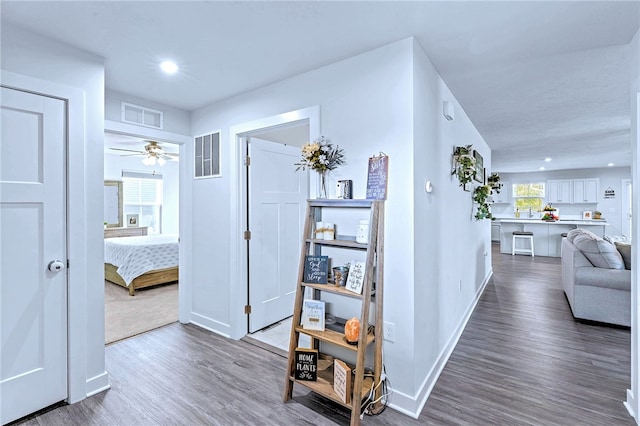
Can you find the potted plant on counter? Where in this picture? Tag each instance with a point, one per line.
(597, 214)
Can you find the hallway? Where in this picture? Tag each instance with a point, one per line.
(521, 360)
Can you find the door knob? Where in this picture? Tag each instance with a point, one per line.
(56, 266)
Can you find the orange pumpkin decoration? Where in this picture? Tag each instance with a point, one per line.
(352, 330)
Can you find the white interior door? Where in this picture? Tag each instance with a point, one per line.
(277, 202)
(33, 299)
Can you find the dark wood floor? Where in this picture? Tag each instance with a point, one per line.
(522, 360)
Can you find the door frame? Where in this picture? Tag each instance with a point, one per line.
(627, 200)
(238, 206)
(184, 199)
(79, 384)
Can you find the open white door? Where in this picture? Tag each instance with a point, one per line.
(33, 284)
(277, 201)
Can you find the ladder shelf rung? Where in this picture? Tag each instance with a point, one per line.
(339, 243)
(334, 337)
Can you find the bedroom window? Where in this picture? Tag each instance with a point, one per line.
(142, 195)
(528, 196)
(207, 156)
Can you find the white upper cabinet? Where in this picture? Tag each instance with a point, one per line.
(559, 191)
(585, 190)
(504, 197)
(572, 191)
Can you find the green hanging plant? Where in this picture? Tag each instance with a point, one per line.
(494, 182)
(480, 196)
(464, 164)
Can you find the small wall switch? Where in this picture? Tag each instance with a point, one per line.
(389, 332)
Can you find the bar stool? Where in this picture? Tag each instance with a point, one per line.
(562, 237)
(526, 235)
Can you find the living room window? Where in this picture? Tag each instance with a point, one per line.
(142, 195)
(528, 196)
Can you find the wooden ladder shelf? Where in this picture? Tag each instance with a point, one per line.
(374, 264)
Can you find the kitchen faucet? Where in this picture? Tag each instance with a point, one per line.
(530, 214)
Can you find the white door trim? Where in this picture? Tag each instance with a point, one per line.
(632, 402)
(80, 386)
(238, 205)
(184, 187)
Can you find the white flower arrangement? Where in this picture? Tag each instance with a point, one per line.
(320, 155)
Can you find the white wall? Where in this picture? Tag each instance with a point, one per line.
(39, 57)
(611, 209)
(452, 249)
(113, 166)
(175, 120)
(367, 106)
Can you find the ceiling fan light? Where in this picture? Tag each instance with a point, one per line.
(149, 161)
(161, 161)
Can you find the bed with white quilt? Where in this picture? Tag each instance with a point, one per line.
(138, 262)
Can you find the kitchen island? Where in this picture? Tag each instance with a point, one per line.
(547, 235)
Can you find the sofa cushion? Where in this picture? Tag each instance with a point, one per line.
(571, 235)
(625, 252)
(600, 253)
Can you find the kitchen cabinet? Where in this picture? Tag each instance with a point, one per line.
(585, 190)
(559, 191)
(504, 197)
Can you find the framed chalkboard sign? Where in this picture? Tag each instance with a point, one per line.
(306, 364)
(377, 177)
(316, 269)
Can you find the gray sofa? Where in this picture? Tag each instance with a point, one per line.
(596, 278)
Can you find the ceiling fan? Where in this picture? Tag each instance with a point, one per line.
(153, 153)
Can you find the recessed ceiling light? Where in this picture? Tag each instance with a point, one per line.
(169, 67)
(547, 159)
(541, 168)
(610, 164)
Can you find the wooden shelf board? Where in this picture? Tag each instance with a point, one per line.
(338, 243)
(333, 337)
(324, 202)
(325, 388)
(331, 288)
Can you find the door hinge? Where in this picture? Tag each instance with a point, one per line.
(247, 309)
(67, 263)
(247, 161)
(247, 235)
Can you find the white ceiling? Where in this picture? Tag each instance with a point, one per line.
(538, 79)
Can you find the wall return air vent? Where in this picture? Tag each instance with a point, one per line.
(142, 116)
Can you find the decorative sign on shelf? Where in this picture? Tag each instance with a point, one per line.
(316, 269)
(312, 315)
(355, 279)
(306, 364)
(377, 177)
(342, 380)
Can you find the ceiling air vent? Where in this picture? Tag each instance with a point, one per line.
(142, 116)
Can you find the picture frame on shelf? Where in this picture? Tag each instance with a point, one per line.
(313, 315)
(479, 177)
(132, 221)
(587, 215)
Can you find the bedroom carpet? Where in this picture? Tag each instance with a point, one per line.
(150, 308)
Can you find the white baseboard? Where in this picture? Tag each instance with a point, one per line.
(413, 405)
(97, 384)
(630, 405)
(211, 325)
